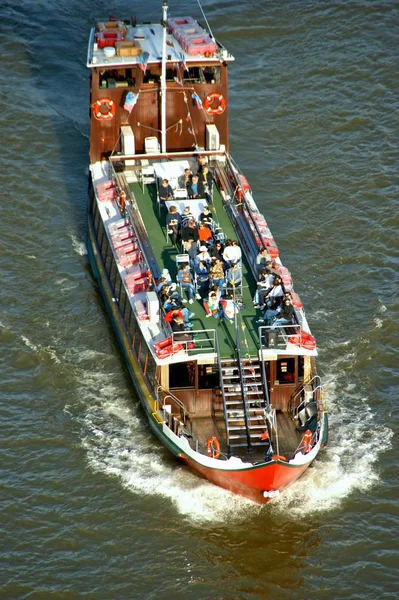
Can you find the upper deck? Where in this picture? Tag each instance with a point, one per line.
(148, 37)
(148, 219)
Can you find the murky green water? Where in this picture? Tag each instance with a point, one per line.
(92, 506)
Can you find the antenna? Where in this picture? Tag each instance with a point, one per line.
(207, 24)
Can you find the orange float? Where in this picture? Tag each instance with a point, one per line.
(210, 104)
(104, 109)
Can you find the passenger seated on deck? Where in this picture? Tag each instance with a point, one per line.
(204, 233)
(233, 276)
(202, 279)
(182, 312)
(184, 180)
(273, 296)
(186, 216)
(173, 224)
(179, 330)
(203, 256)
(217, 251)
(206, 217)
(192, 188)
(211, 304)
(264, 285)
(165, 192)
(185, 279)
(232, 253)
(284, 314)
(263, 260)
(189, 232)
(216, 273)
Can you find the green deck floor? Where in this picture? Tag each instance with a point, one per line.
(165, 257)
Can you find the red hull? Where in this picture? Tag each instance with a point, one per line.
(251, 483)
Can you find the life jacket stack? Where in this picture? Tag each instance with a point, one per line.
(141, 311)
(136, 280)
(262, 234)
(107, 191)
(110, 33)
(125, 243)
(166, 348)
(191, 36)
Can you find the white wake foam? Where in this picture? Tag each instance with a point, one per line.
(118, 443)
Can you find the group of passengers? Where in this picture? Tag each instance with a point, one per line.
(270, 295)
(215, 272)
(198, 185)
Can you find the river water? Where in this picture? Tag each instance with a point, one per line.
(91, 505)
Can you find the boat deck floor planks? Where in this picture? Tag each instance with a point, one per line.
(165, 255)
(289, 437)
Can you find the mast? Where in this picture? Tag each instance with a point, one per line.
(163, 77)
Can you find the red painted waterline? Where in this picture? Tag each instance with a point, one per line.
(251, 483)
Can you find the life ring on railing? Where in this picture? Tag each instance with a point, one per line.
(307, 441)
(303, 340)
(213, 447)
(104, 109)
(209, 101)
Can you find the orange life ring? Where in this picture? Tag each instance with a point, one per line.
(104, 109)
(307, 441)
(209, 101)
(213, 447)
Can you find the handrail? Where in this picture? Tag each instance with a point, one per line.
(168, 394)
(243, 384)
(226, 422)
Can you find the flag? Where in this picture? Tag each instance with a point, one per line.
(143, 60)
(183, 61)
(197, 99)
(130, 101)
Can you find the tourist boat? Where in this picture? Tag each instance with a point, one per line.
(238, 401)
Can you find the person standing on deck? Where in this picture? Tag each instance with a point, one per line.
(205, 184)
(173, 224)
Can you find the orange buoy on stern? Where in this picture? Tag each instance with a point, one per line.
(104, 109)
(213, 447)
(307, 441)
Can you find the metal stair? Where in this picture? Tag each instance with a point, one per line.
(244, 403)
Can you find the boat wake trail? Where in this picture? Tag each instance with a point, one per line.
(117, 443)
(348, 464)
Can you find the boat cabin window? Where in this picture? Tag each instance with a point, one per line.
(115, 78)
(208, 74)
(208, 377)
(182, 375)
(285, 370)
(151, 76)
(171, 74)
